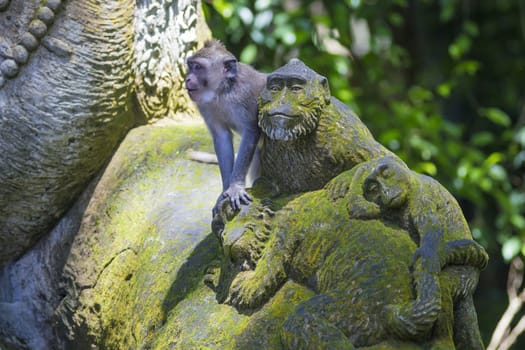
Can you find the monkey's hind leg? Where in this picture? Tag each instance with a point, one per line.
(307, 329)
(466, 330)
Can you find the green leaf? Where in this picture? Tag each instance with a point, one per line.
(428, 168)
(518, 221)
(483, 138)
(496, 115)
(519, 137)
(497, 172)
(468, 67)
(419, 94)
(246, 15)
(396, 19)
(447, 10)
(494, 158)
(511, 248)
(223, 7)
(444, 89)
(471, 28)
(249, 53)
(459, 47)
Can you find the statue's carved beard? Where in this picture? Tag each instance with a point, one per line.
(307, 119)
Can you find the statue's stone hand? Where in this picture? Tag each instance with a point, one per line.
(338, 187)
(414, 319)
(411, 320)
(246, 291)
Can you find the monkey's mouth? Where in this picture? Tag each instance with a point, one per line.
(279, 115)
(394, 200)
(192, 93)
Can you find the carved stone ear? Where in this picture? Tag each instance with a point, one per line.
(325, 88)
(230, 67)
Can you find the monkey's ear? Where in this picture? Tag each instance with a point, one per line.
(230, 67)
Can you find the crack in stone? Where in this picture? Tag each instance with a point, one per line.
(107, 264)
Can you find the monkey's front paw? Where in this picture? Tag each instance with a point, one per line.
(245, 291)
(338, 187)
(218, 207)
(238, 196)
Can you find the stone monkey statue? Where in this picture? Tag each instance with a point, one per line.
(226, 92)
(308, 136)
(361, 274)
(386, 189)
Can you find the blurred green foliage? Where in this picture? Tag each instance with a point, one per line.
(441, 83)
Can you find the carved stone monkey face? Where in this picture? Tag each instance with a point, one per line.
(389, 183)
(292, 102)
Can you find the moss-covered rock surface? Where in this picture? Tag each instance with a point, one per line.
(135, 275)
(145, 270)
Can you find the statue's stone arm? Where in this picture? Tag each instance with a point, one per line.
(349, 185)
(251, 289)
(416, 318)
(466, 252)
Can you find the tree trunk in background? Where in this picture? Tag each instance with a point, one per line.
(75, 77)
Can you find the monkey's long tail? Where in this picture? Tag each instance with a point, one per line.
(202, 157)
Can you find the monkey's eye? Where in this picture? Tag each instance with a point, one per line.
(194, 66)
(371, 186)
(274, 88)
(296, 88)
(386, 172)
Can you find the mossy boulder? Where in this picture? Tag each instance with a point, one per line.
(135, 275)
(146, 271)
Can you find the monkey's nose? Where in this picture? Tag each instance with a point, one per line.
(283, 108)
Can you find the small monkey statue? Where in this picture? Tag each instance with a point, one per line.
(226, 93)
(435, 222)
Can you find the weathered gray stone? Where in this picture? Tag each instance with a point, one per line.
(20, 54)
(29, 41)
(46, 15)
(37, 28)
(53, 4)
(60, 118)
(9, 68)
(5, 48)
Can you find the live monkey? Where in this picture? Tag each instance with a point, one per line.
(226, 93)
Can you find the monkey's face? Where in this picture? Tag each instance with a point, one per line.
(387, 186)
(207, 76)
(290, 106)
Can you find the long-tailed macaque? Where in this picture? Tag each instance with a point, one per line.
(226, 93)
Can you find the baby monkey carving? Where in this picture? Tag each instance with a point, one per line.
(435, 222)
(424, 208)
(226, 92)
